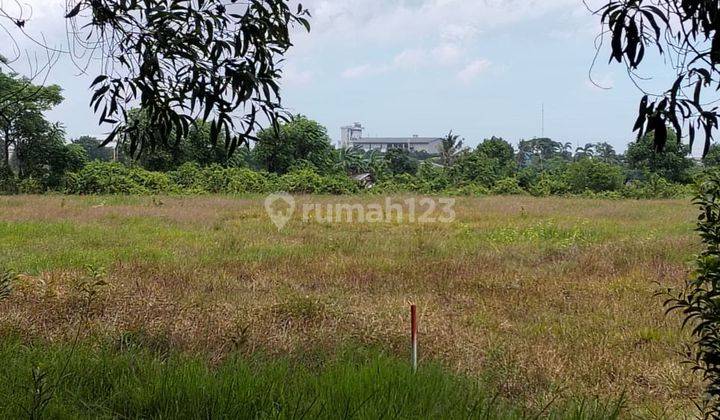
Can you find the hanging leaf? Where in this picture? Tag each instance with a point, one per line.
(74, 11)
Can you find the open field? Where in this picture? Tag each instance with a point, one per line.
(539, 300)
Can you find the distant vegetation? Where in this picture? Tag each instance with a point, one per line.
(299, 157)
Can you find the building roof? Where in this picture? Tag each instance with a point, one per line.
(383, 140)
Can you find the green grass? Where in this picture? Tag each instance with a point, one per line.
(537, 299)
(136, 383)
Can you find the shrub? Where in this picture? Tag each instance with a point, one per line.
(548, 185)
(593, 175)
(8, 181)
(433, 178)
(31, 186)
(399, 183)
(340, 184)
(154, 182)
(303, 181)
(188, 176)
(698, 301)
(507, 186)
(655, 187)
(105, 178)
(471, 189)
(243, 180)
(475, 167)
(215, 179)
(608, 195)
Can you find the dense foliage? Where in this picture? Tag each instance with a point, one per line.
(687, 33)
(698, 302)
(298, 157)
(21, 106)
(181, 61)
(299, 140)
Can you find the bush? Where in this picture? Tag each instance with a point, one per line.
(115, 178)
(607, 195)
(585, 177)
(593, 175)
(471, 189)
(307, 181)
(433, 178)
(8, 181)
(216, 179)
(400, 183)
(339, 185)
(303, 181)
(698, 301)
(507, 186)
(154, 182)
(243, 180)
(105, 178)
(655, 187)
(31, 186)
(548, 185)
(188, 176)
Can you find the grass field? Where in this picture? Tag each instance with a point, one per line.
(533, 303)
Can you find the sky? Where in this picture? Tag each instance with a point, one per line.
(480, 68)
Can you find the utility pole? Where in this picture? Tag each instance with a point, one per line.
(542, 120)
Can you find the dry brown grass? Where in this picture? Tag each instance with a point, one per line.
(535, 296)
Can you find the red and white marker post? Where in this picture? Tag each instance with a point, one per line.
(413, 336)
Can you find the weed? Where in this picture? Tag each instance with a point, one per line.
(7, 278)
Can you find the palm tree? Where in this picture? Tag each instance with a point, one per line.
(376, 164)
(605, 152)
(585, 152)
(351, 160)
(450, 147)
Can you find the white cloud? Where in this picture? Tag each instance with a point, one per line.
(292, 76)
(473, 70)
(448, 53)
(410, 59)
(424, 33)
(361, 71)
(458, 33)
(444, 55)
(398, 21)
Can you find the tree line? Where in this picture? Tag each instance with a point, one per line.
(36, 157)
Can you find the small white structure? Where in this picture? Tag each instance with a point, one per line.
(366, 179)
(351, 136)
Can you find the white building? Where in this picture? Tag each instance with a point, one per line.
(351, 136)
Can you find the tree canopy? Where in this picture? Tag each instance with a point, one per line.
(686, 33)
(299, 139)
(94, 149)
(182, 61)
(21, 106)
(671, 163)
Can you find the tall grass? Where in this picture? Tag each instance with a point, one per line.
(531, 295)
(135, 383)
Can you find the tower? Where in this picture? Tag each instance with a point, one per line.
(350, 133)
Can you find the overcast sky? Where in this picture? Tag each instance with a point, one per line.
(404, 67)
